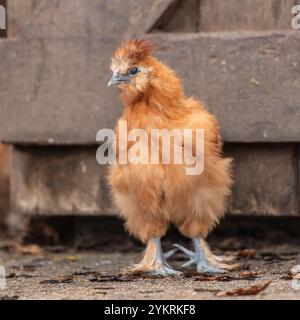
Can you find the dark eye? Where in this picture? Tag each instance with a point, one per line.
(134, 71)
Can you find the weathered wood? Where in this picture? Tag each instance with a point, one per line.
(250, 81)
(63, 43)
(81, 18)
(58, 181)
(181, 16)
(54, 90)
(54, 74)
(245, 15)
(20, 13)
(68, 181)
(266, 181)
(54, 70)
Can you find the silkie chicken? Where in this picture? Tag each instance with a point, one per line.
(150, 197)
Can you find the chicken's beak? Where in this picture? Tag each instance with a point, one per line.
(117, 79)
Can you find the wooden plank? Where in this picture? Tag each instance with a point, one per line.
(58, 182)
(63, 86)
(78, 18)
(62, 181)
(250, 81)
(20, 13)
(266, 179)
(54, 91)
(58, 32)
(181, 16)
(246, 15)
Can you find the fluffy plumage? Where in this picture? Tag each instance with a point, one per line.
(151, 197)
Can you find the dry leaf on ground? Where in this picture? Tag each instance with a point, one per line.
(250, 291)
(112, 278)
(59, 279)
(218, 277)
(72, 258)
(242, 275)
(287, 277)
(249, 273)
(206, 290)
(30, 249)
(246, 253)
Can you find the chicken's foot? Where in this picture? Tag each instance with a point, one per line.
(205, 260)
(154, 261)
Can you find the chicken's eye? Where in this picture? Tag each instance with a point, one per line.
(133, 71)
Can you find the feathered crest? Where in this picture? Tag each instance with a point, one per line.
(136, 49)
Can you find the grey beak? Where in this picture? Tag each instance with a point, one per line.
(117, 79)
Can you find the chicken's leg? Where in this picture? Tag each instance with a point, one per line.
(203, 258)
(154, 261)
(212, 257)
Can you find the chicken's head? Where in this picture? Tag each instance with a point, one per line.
(132, 67)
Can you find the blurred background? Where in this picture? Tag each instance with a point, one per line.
(240, 57)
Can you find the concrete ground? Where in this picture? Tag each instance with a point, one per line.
(60, 273)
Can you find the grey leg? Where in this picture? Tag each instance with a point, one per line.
(202, 257)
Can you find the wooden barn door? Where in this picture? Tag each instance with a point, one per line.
(241, 57)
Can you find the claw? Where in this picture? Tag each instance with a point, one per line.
(165, 271)
(204, 259)
(208, 253)
(225, 258)
(206, 268)
(154, 261)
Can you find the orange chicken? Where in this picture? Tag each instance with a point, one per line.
(151, 196)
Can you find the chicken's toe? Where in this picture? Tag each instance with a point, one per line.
(154, 261)
(204, 267)
(164, 270)
(204, 259)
